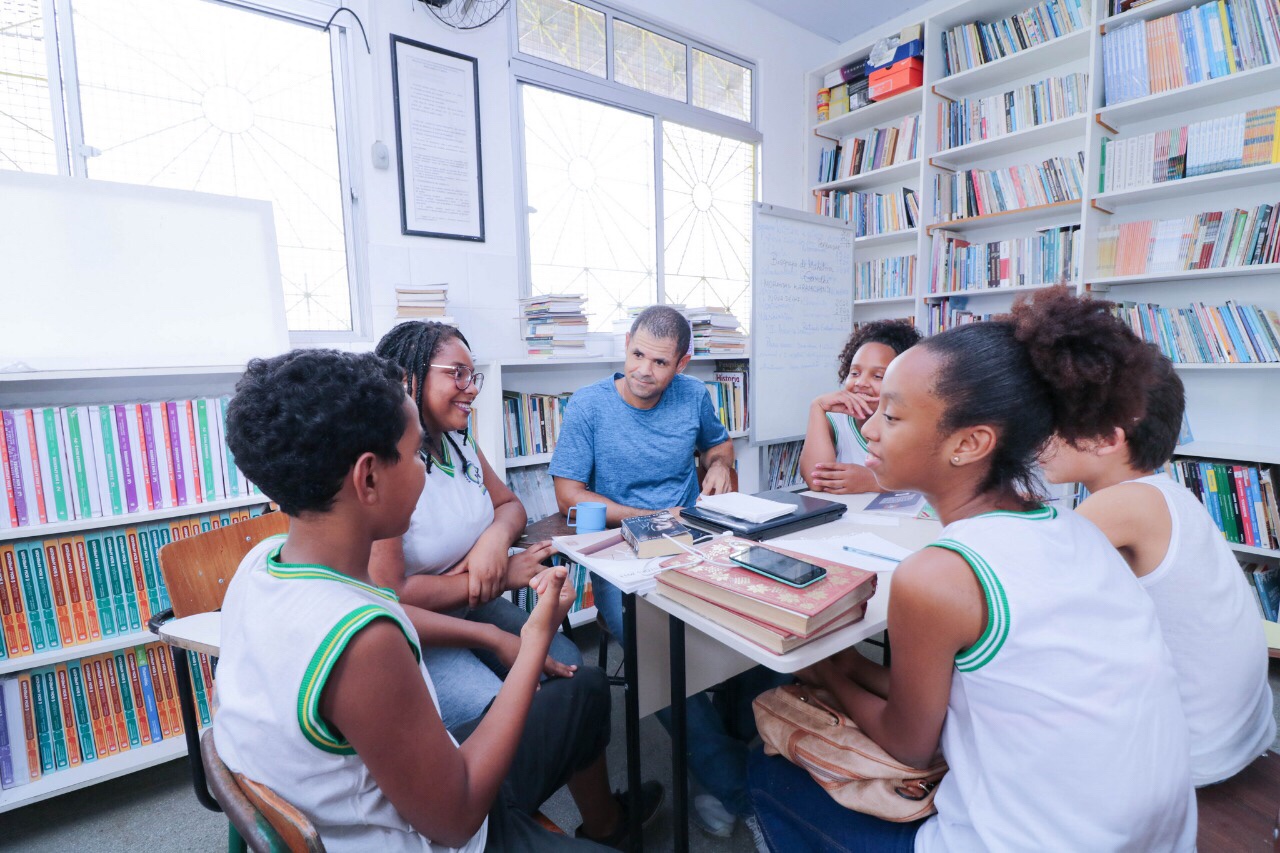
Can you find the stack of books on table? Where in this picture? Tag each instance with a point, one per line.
(716, 331)
(554, 326)
(428, 302)
(770, 614)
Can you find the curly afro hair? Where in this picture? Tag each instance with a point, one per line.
(1055, 364)
(299, 421)
(898, 335)
(1153, 439)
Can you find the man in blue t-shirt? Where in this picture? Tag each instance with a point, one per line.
(628, 443)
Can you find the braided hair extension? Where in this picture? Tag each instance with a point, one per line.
(412, 345)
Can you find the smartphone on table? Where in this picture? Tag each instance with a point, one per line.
(779, 567)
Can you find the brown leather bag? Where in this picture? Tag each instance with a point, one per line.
(802, 725)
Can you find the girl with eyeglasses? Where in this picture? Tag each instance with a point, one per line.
(453, 559)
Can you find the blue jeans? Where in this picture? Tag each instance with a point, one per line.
(719, 730)
(798, 816)
(466, 680)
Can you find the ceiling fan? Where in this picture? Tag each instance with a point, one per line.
(465, 14)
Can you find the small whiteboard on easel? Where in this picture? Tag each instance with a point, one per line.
(801, 315)
(97, 275)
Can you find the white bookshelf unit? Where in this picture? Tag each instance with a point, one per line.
(89, 388)
(1233, 408)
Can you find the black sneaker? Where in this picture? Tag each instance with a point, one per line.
(651, 797)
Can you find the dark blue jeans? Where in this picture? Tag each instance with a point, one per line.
(718, 730)
(797, 816)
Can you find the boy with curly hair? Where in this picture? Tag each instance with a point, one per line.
(834, 449)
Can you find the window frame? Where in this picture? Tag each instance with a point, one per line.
(531, 70)
(72, 152)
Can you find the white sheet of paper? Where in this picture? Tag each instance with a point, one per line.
(832, 549)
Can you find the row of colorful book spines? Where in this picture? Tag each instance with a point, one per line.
(976, 192)
(871, 213)
(729, 405)
(940, 316)
(977, 43)
(1252, 238)
(583, 597)
(1240, 498)
(784, 463)
(532, 422)
(884, 278)
(1209, 41)
(1240, 141)
(58, 717)
(1207, 334)
(974, 119)
(77, 589)
(61, 464)
(982, 265)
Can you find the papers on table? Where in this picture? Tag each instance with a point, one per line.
(833, 548)
(612, 560)
(746, 507)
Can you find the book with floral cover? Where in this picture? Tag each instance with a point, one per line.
(797, 611)
(761, 633)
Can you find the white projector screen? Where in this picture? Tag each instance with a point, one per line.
(99, 276)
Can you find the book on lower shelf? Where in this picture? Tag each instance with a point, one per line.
(535, 489)
(801, 613)
(948, 313)
(1264, 580)
(1240, 498)
(870, 150)
(885, 278)
(969, 120)
(784, 465)
(1213, 239)
(531, 422)
(871, 213)
(1051, 256)
(1206, 334)
(970, 45)
(980, 192)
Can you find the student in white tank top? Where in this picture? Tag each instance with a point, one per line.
(1183, 561)
(834, 449)
(1023, 650)
(453, 558)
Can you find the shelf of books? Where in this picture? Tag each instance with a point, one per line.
(1059, 50)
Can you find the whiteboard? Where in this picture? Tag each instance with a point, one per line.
(97, 275)
(801, 315)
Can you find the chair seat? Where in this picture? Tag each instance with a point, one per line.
(1240, 813)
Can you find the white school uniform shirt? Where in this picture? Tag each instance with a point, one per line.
(283, 628)
(851, 447)
(453, 510)
(1064, 729)
(1212, 629)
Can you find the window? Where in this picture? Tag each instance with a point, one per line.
(182, 94)
(639, 162)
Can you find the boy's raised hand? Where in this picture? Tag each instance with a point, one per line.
(555, 597)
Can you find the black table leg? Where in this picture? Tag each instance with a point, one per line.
(191, 728)
(631, 693)
(679, 736)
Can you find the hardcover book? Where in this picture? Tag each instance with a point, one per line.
(651, 535)
(761, 633)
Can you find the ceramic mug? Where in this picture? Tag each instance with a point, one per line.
(586, 517)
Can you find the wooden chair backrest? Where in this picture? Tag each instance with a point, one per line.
(266, 821)
(197, 570)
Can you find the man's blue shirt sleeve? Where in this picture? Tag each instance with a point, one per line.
(574, 457)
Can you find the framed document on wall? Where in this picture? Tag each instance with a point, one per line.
(437, 108)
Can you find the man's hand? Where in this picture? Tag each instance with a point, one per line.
(717, 480)
(859, 405)
(523, 567)
(842, 478)
(506, 646)
(486, 568)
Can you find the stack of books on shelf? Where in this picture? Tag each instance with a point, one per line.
(975, 119)
(1265, 580)
(728, 390)
(715, 331)
(784, 465)
(429, 302)
(74, 462)
(1215, 239)
(885, 278)
(970, 45)
(1237, 141)
(531, 422)
(1240, 498)
(82, 587)
(58, 717)
(770, 614)
(947, 313)
(874, 149)
(534, 488)
(1208, 41)
(871, 213)
(555, 326)
(978, 192)
(1207, 334)
(1052, 256)
(843, 91)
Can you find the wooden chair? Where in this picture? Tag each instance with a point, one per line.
(1240, 814)
(266, 823)
(196, 573)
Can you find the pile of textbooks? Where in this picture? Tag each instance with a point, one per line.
(716, 331)
(429, 302)
(554, 326)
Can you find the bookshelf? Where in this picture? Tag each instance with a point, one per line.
(97, 387)
(1232, 407)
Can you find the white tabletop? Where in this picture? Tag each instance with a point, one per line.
(199, 633)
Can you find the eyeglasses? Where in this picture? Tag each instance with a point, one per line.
(462, 376)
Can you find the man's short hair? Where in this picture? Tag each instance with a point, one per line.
(1153, 439)
(666, 324)
(299, 421)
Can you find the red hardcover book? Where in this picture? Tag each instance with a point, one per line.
(796, 611)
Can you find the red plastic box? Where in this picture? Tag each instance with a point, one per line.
(896, 79)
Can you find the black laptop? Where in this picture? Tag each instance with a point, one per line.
(810, 512)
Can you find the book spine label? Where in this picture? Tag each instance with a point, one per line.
(160, 538)
(128, 468)
(116, 576)
(29, 456)
(164, 460)
(142, 472)
(88, 595)
(53, 719)
(126, 699)
(135, 692)
(192, 449)
(47, 607)
(150, 572)
(146, 688)
(93, 545)
(96, 716)
(207, 464)
(71, 575)
(84, 725)
(44, 746)
(18, 484)
(151, 456)
(66, 709)
(141, 593)
(111, 457)
(197, 681)
(176, 460)
(109, 705)
(126, 738)
(156, 676)
(79, 448)
(58, 584)
(170, 688)
(9, 480)
(17, 635)
(52, 468)
(6, 748)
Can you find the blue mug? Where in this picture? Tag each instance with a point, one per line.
(586, 517)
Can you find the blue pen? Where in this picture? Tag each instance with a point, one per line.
(871, 554)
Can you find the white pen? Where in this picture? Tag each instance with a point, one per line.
(871, 554)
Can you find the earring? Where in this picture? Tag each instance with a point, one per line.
(955, 460)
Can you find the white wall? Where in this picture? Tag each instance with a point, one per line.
(483, 277)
